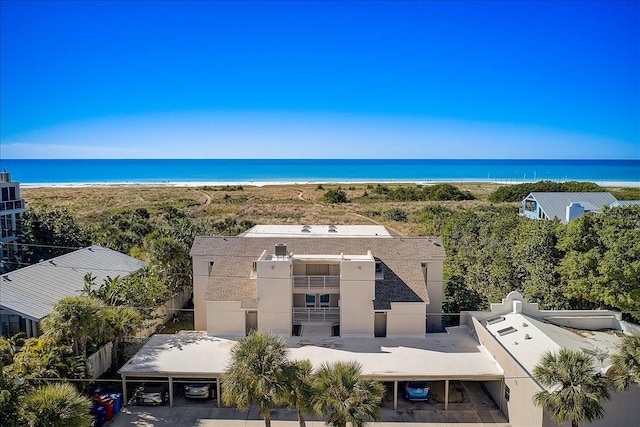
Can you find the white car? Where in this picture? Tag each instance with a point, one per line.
(199, 391)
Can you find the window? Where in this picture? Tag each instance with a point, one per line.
(310, 300)
(530, 205)
(324, 300)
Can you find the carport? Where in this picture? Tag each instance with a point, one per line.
(454, 355)
(184, 355)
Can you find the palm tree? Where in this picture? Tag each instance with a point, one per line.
(299, 391)
(120, 322)
(577, 387)
(79, 317)
(348, 397)
(55, 405)
(626, 363)
(255, 373)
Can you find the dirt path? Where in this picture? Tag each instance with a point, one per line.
(371, 220)
(207, 198)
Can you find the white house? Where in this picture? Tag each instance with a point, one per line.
(517, 334)
(11, 206)
(564, 205)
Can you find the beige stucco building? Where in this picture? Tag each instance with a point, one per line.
(347, 280)
(517, 334)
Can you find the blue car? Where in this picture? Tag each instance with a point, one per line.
(417, 390)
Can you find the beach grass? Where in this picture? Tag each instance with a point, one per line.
(268, 204)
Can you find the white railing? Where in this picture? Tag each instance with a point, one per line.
(316, 283)
(316, 315)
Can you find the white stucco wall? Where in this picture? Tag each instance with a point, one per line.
(225, 318)
(434, 290)
(519, 410)
(200, 283)
(406, 319)
(275, 297)
(357, 292)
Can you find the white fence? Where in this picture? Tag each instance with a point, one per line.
(100, 361)
(164, 313)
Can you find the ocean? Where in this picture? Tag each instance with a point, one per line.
(208, 171)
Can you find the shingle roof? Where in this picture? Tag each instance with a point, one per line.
(402, 257)
(34, 290)
(555, 204)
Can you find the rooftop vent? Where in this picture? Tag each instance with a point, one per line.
(281, 249)
(495, 320)
(507, 331)
(527, 336)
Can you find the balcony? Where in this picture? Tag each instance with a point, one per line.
(316, 284)
(10, 205)
(316, 315)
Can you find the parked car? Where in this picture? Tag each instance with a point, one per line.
(151, 394)
(199, 390)
(417, 390)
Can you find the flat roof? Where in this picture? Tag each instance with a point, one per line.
(452, 355)
(360, 231)
(528, 339)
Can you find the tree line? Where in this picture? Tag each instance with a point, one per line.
(591, 262)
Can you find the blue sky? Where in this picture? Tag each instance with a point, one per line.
(471, 79)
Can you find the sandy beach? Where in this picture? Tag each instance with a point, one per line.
(267, 183)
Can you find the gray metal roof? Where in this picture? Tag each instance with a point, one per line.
(624, 203)
(401, 257)
(555, 204)
(34, 290)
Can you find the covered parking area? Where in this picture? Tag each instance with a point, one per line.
(454, 355)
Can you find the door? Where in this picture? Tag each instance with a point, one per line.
(380, 325)
(251, 321)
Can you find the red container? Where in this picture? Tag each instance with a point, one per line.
(108, 405)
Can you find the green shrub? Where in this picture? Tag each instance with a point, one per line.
(336, 195)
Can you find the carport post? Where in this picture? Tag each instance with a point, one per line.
(395, 395)
(446, 394)
(170, 391)
(218, 391)
(124, 390)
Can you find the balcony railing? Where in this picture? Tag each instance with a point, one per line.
(316, 315)
(314, 284)
(10, 205)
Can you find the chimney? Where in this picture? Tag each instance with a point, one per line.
(573, 211)
(517, 306)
